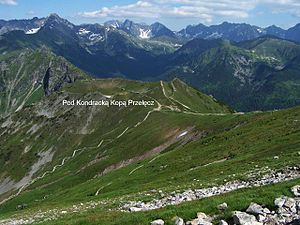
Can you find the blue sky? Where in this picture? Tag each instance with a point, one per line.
(176, 14)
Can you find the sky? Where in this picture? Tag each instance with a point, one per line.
(176, 14)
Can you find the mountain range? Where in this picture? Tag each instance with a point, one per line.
(231, 31)
(247, 67)
(186, 154)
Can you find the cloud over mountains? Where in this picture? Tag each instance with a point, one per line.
(205, 10)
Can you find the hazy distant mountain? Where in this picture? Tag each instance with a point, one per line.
(238, 32)
(29, 26)
(230, 31)
(275, 31)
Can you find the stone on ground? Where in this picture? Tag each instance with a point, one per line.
(158, 222)
(242, 218)
(255, 209)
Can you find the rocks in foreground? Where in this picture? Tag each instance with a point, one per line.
(287, 213)
(196, 194)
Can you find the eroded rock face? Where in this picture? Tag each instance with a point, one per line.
(39, 69)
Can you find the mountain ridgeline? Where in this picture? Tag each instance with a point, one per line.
(247, 67)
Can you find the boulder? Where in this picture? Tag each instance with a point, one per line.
(202, 219)
(135, 209)
(203, 216)
(290, 203)
(266, 211)
(223, 222)
(199, 222)
(261, 218)
(242, 218)
(255, 209)
(279, 202)
(296, 190)
(223, 206)
(179, 221)
(158, 222)
(271, 221)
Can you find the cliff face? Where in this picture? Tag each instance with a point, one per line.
(26, 76)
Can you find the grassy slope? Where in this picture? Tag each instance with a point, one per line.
(249, 142)
(86, 128)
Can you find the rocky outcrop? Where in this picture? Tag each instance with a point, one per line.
(23, 75)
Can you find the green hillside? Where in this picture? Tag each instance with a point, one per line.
(260, 74)
(97, 158)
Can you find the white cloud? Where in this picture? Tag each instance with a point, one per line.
(291, 7)
(205, 10)
(8, 2)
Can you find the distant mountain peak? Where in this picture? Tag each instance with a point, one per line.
(54, 15)
(113, 23)
(54, 20)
